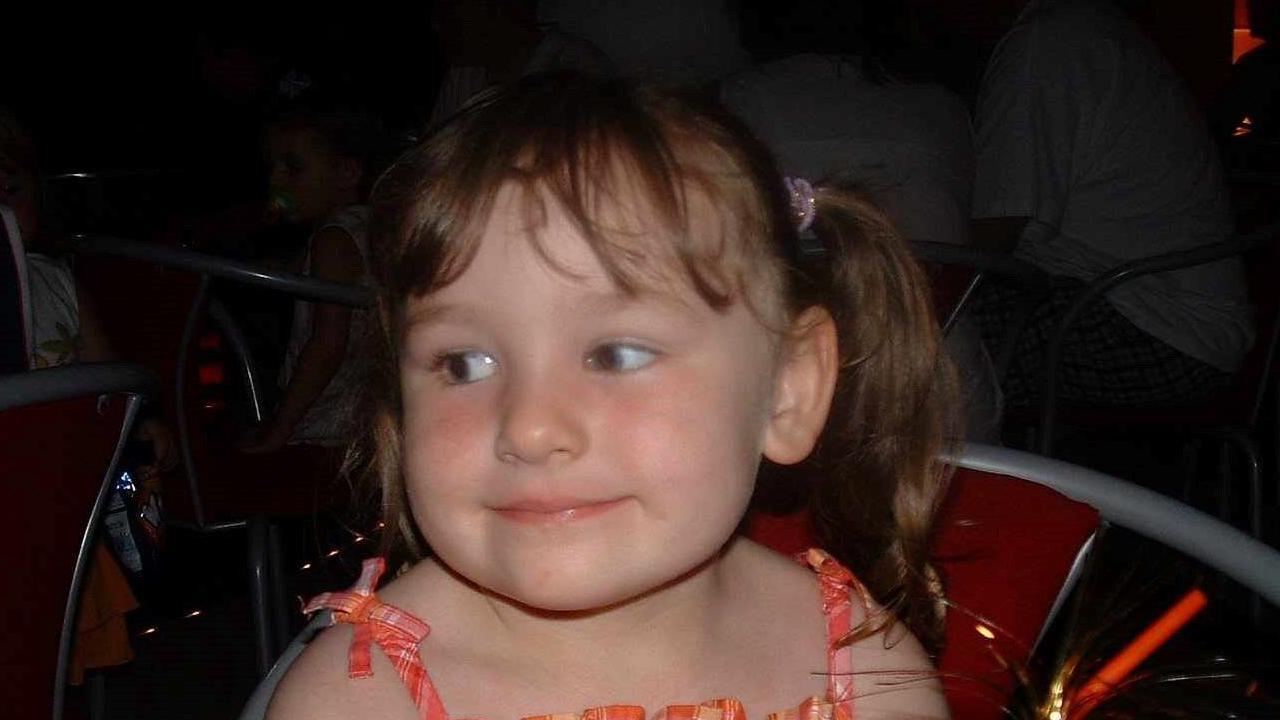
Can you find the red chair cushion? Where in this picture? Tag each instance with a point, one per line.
(56, 457)
(143, 308)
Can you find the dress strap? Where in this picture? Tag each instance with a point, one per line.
(839, 588)
(396, 632)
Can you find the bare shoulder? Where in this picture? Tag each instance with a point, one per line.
(317, 686)
(893, 675)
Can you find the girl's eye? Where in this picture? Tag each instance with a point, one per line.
(464, 366)
(620, 357)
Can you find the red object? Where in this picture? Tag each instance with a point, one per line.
(56, 456)
(1148, 641)
(211, 373)
(210, 341)
(1004, 547)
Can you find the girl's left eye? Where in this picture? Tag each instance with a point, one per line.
(620, 357)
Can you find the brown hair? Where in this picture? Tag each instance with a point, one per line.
(590, 143)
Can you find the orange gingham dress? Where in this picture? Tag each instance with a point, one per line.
(398, 634)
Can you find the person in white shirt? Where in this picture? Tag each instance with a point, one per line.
(828, 108)
(1090, 153)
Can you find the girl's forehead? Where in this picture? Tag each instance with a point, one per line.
(614, 243)
(540, 232)
(625, 219)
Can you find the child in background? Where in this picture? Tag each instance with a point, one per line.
(63, 323)
(65, 329)
(602, 311)
(321, 156)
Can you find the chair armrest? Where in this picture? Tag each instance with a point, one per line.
(256, 707)
(68, 381)
(1146, 512)
(301, 286)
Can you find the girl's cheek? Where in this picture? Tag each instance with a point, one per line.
(655, 417)
(443, 424)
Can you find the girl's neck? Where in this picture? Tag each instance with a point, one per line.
(690, 610)
(715, 632)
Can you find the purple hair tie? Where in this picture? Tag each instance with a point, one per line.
(803, 202)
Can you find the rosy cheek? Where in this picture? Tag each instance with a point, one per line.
(444, 432)
(656, 424)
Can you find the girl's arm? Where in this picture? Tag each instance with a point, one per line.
(894, 677)
(334, 256)
(93, 345)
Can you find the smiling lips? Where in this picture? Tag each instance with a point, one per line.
(556, 511)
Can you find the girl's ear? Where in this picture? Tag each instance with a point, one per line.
(803, 387)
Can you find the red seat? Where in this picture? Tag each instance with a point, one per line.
(60, 446)
(1005, 548)
(144, 308)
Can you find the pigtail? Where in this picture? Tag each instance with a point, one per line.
(894, 408)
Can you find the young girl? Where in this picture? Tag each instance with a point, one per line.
(321, 154)
(598, 319)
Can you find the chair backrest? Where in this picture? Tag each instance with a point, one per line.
(156, 305)
(256, 707)
(1006, 550)
(1243, 400)
(62, 431)
(1169, 522)
(145, 308)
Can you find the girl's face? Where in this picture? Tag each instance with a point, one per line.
(307, 179)
(568, 446)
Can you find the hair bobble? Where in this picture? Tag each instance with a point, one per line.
(804, 203)
(804, 206)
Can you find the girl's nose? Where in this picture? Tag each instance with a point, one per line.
(540, 422)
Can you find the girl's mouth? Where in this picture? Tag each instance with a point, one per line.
(551, 511)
